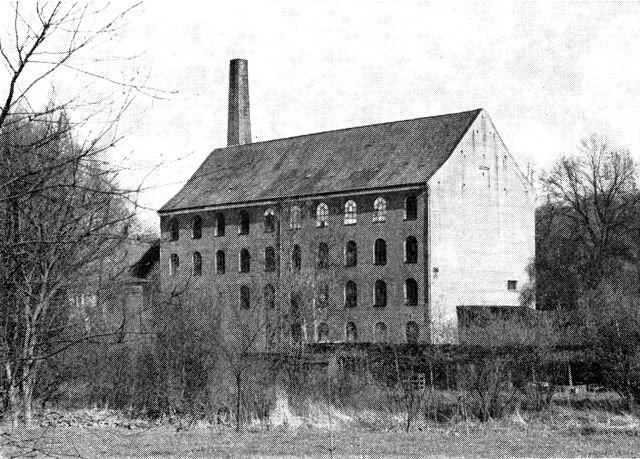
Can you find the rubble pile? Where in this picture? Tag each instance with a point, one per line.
(90, 418)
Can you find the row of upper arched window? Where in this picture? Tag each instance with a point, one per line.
(295, 218)
(412, 332)
(270, 257)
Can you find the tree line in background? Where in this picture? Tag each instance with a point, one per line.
(66, 222)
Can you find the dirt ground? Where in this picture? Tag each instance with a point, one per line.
(208, 441)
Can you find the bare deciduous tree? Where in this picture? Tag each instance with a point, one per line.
(63, 209)
(595, 192)
(56, 240)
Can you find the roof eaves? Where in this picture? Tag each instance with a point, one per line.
(416, 185)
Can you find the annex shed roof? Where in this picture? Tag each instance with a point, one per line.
(367, 157)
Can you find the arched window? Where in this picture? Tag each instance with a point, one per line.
(197, 264)
(411, 292)
(411, 250)
(350, 212)
(174, 229)
(380, 294)
(412, 332)
(269, 296)
(269, 221)
(270, 334)
(243, 222)
(245, 297)
(352, 332)
(296, 320)
(220, 265)
(350, 294)
(322, 215)
(295, 218)
(322, 296)
(323, 332)
(196, 227)
(323, 255)
(380, 252)
(174, 264)
(379, 210)
(218, 225)
(269, 259)
(351, 254)
(410, 208)
(380, 332)
(296, 299)
(296, 258)
(245, 261)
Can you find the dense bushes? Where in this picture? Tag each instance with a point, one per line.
(183, 373)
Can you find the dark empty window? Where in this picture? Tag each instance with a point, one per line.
(411, 250)
(351, 254)
(381, 332)
(380, 293)
(351, 331)
(296, 258)
(512, 285)
(174, 229)
(323, 332)
(380, 252)
(323, 295)
(379, 210)
(411, 208)
(218, 225)
(269, 293)
(296, 320)
(350, 212)
(296, 299)
(323, 255)
(411, 292)
(220, 264)
(269, 259)
(245, 261)
(197, 264)
(243, 223)
(245, 297)
(196, 227)
(269, 221)
(350, 294)
(412, 332)
(174, 264)
(322, 215)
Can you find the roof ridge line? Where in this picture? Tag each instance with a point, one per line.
(348, 128)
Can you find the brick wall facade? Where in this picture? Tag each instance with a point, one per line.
(336, 234)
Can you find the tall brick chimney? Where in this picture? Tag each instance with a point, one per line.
(239, 127)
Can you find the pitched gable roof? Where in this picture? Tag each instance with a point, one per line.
(375, 156)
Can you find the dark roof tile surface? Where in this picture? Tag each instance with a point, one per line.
(375, 156)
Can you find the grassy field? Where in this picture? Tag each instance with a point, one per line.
(539, 438)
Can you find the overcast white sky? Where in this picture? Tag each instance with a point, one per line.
(548, 73)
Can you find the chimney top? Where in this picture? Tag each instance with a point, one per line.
(239, 126)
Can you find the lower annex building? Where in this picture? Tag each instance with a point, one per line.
(372, 233)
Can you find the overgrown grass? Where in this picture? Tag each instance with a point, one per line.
(361, 425)
(559, 432)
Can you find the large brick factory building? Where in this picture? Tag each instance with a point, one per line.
(372, 233)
